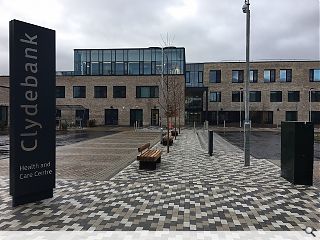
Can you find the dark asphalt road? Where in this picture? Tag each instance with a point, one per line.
(263, 144)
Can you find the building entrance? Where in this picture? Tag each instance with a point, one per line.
(111, 116)
(154, 117)
(136, 115)
(4, 115)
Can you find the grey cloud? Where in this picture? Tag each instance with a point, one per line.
(286, 29)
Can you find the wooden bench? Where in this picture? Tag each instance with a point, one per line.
(148, 158)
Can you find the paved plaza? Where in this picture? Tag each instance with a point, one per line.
(188, 191)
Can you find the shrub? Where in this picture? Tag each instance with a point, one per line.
(92, 123)
(64, 126)
(2, 125)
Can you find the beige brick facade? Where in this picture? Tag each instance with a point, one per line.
(300, 82)
(97, 106)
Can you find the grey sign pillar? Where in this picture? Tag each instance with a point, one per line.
(32, 112)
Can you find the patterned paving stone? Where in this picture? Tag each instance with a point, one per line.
(188, 191)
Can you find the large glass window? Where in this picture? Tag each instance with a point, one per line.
(255, 96)
(133, 68)
(253, 76)
(315, 96)
(119, 92)
(194, 75)
(79, 92)
(119, 68)
(118, 61)
(237, 76)
(147, 91)
(107, 68)
(285, 75)
(147, 68)
(100, 91)
(275, 96)
(237, 96)
(314, 75)
(94, 68)
(215, 76)
(269, 75)
(293, 96)
(215, 96)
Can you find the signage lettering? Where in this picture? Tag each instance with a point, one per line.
(32, 110)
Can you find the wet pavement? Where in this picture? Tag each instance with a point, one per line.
(267, 145)
(264, 144)
(62, 139)
(188, 191)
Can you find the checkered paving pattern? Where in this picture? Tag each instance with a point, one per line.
(188, 191)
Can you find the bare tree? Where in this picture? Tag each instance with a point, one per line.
(166, 101)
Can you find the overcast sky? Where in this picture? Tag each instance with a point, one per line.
(210, 30)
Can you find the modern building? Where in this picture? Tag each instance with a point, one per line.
(127, 86)
(279, 91)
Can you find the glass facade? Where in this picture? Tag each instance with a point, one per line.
(142, 61)
(194, 75)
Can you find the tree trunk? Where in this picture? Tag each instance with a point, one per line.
(179, 121)
(168, 134)
(175, 126)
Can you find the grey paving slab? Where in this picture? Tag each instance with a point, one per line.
(188, 191)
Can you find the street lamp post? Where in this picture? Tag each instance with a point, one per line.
(246, 10)
(240, 121)
(310, 101)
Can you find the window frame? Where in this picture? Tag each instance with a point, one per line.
(275, 94)
(218, 96)
(240, 76)
(95, 92)
(80, 87)
(64, 91)
(156, 91)
(117, 87)
(293, 98)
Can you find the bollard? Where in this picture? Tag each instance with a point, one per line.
(161, 131)
(224, 123)
(210, 142)
(194, 126)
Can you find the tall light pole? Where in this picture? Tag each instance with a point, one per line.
(310, 101)
(246, 10)
(240, 121)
